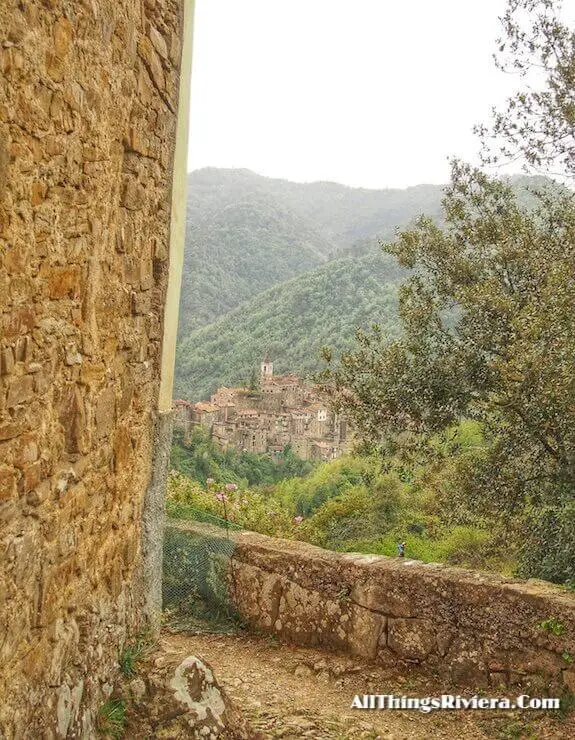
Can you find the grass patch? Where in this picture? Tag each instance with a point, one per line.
(135, 652)
(112, 719)
(468, 547)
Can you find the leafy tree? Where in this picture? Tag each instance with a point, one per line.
(538, 123)
(254, 383)
(487, 317)
(488, 334)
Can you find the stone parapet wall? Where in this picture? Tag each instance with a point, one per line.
(88, 104)
(471, 627)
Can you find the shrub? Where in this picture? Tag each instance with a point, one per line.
(466, 546)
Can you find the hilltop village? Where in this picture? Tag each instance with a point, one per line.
(281, 410)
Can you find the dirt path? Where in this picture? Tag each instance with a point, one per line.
(296, 693)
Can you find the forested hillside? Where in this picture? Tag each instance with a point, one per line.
(289, 268)
(246, 233)
(292, 321)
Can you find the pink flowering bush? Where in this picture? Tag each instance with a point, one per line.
(246, 508)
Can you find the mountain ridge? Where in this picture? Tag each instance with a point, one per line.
(270, 267)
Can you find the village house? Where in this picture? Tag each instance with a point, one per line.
(283, 411)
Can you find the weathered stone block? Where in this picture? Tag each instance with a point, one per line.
(536, 661)
(92, 373)
(465, 662)
(412, 639)
(123, 451)
(105, 412)
(72, 417)
(20, 390)
(63, 34)
(18, 322)
(365, 632)
(152, 62)
(8, 478)
(133, 195)
(9, 430)
(158, 42)
(146, 274)
(6, 361)
(22, 349)
(141, 303)
(127, 394)
(72, 356)
(26, 449)
(63, 282)
(40, 494)
(384, 599)
(38, 189)
(31, 477)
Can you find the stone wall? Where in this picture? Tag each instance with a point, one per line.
(471, 627)
(88, 108)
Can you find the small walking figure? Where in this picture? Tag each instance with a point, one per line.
(401, 550)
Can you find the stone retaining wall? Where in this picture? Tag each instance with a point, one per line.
(472, 627)
(88, 108)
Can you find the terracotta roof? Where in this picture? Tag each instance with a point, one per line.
(205, 407)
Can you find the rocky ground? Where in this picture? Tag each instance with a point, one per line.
(272, 690)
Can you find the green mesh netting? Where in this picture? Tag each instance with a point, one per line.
(198, 579)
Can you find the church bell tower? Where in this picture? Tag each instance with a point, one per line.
(267, 368)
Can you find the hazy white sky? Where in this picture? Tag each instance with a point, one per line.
(371, 93)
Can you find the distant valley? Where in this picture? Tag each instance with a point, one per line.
(284, 267)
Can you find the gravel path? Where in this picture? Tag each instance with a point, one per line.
(289, 693)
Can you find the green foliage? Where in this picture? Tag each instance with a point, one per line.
(549, 549)
(134, 652)
(487, 315)
(306, 495)
(487, 334)
(358, 511)
(293, 321)
(467, 546)
(537, 122)
(287, 267)
(199, 458)
(352, 504)
(254, 383)
(552, 625)
(246, 508)
(112, 719)
(246, 233)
